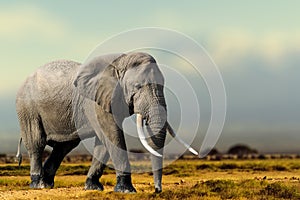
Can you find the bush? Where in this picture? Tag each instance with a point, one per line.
(205, 166)
(280, 190)
(229, 166)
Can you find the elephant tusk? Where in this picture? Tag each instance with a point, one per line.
(141, 133)
(178, 139)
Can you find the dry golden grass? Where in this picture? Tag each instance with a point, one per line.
(183, 179)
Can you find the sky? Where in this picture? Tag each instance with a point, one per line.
(255, 44)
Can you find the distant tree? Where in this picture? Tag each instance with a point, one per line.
(214, 152)
(3, 155)
(241, 150)
(211, 152)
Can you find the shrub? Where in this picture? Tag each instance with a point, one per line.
(280, 190)
(205, 166)
(229, 166)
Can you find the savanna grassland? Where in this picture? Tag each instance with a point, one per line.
(183, 179)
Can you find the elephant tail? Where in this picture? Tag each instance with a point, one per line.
(19, 154)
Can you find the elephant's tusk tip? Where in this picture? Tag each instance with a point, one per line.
(157, 155)
(193, 151)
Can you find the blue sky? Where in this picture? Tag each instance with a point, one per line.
(255, 44)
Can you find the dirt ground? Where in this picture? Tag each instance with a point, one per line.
(67, 193)
(72, 187)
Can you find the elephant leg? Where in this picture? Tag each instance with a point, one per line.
(36, 170)
(113, 138)
(60, 150)
(33, 136)
(100, 158)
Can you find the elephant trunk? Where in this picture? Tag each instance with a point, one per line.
(156, 127)
(156, 149)
(153, 110)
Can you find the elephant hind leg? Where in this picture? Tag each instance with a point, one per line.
(34, 139)
(60, 150)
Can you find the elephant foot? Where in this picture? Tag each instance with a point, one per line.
(48, 181)
(37, 182)
(91, 184)
(124, 184)
(158, 190)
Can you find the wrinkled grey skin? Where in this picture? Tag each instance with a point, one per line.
(51, 103)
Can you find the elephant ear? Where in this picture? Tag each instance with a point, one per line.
(97, 80)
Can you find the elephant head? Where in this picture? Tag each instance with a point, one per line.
(126, 84)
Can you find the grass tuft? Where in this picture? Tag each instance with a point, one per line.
(280, 190)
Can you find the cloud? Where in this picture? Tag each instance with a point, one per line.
(230, 48)
(31, 36)
(227, 47)
(29, 21)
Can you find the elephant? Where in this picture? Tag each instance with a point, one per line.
(53, 107)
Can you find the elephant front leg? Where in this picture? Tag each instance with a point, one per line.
(100, 158)
(117, 150)
(113, 138)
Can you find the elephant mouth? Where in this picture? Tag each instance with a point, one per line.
(142, 136)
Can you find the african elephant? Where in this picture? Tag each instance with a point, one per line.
(53, 101)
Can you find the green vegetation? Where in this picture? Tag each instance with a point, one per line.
(179, 168)
(183, 179)
(14, 170)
